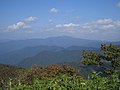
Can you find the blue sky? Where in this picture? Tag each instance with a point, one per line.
(89, 19)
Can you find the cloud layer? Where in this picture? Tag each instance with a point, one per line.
(30, 19)
(54, 10)
(22, 24)
(118, 4)
(103, 29)
(98, 25)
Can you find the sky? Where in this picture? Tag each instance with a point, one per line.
(87, 19)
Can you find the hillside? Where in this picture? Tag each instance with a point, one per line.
(16, 56)
(17, 51)
(45, 75)
(49, 57)
(61, 41)
(19, 55)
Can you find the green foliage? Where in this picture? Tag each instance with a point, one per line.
(111, 82)
(91, 58)
(61, 77)
(109, 53)
(64, 77)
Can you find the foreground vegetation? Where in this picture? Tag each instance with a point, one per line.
(59, 77)
(64, 77)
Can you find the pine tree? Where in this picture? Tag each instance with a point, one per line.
(109, 53)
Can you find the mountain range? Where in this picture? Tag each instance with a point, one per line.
(25, 53)
(62, 41)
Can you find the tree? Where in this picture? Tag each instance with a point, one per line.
(110, 54)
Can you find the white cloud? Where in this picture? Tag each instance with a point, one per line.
(118, 4)
(105, 28)
(18, 25)
(101, 25)
(67, 25)
(30, 19)
(66, 28)
(71, 25)
(54, 10)
(21, 24)
(104, 21)
(50, 21)
(102, 29)
(58, 26)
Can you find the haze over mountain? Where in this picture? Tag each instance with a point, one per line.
(49, 57)
(45, 51)
(61, 41)
(16, 56)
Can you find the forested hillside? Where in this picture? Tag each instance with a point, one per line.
(66, 76)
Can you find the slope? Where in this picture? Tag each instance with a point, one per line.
(73, 53)
(16, 56)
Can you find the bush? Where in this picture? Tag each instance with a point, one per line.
(66, 81)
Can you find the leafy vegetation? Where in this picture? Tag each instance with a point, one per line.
(110, 55)
(63, 76)
(59, 77)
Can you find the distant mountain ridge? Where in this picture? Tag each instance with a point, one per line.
(16, 56)
(70, 54)
(20, 55)
(49, 57)
(62, 41)
(59, 49)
